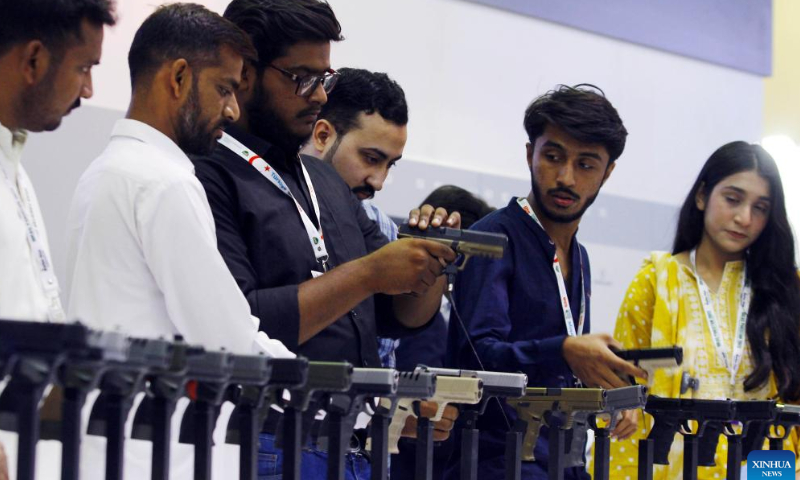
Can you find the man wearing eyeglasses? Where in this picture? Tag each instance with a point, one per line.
(317, 272)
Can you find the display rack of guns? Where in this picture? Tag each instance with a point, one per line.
(776, 430)
(673, 415)
(76, 378)
(153, 419)
(411, 387)
(495, 385)
(617, 400)
(449, 389)
(324, 378)
(254, 399)
(343, 409)
(749, 414)
(118, 387)
(556, 408)
(32, 352)
(209, 376)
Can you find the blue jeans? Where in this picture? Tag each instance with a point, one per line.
(313, 464)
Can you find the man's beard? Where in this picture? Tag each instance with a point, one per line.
(555, 216)
(328, 158)
(265, 124)
(193, 135)
(38, 101)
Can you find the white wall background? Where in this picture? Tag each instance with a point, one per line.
(469, 71)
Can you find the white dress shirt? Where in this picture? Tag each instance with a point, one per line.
(142, 251)
(27, 292)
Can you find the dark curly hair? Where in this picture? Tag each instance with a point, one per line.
(363, 91)
(583, 111)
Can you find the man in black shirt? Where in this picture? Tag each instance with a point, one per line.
(317, 272)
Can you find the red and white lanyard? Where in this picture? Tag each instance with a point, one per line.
(47, 277)
(315, 236)
(714, 324)
(569, 320)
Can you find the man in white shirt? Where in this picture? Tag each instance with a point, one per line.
(47, 51)
(142, 252)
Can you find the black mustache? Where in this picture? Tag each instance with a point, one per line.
(309, 111)
(364, 189)
(564, 191)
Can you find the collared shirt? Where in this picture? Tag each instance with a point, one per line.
(386, 346)
(22, 296)
(512, 310)
(142, 252)
(264, 243)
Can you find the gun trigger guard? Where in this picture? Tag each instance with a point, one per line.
(463, 264)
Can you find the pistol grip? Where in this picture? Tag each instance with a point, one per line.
(404, 409)
(530, 439)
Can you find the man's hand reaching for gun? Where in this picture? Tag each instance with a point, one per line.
(595, 364)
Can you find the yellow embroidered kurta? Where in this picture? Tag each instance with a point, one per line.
(662, 308)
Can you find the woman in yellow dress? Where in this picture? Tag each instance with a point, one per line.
(732, 270)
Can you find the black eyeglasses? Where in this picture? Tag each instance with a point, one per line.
(307, 84)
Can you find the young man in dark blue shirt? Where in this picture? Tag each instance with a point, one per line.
(529, 312)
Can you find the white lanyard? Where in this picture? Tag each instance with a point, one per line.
(315, 236)
(47, 278)
(713, 320)
(569, 320)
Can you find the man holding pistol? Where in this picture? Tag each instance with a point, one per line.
(317, 272)
(529, 312)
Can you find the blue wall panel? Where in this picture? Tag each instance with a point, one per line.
(733, 33)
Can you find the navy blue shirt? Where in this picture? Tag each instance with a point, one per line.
(512, 310)
(262, 239)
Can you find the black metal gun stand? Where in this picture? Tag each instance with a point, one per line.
(379, 434)
(514, 450)
(646, 457)
(153, 419)
(423, 466)
(202, 416)
(31, 374)
(734, 454)
(602, 451)
(340, 419)
(690, 455)
(469, 445)
(251, 401)
(110, 411)
(77, 381)
(556, 443)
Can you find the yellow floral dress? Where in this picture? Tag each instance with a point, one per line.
(662, 308)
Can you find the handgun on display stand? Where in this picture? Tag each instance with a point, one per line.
(35, 355)
(343, 409)
(254, 400)
(673, 415)
(324, 379)
(118, 387)
(411, 387)
(775, 430)
(495, 385)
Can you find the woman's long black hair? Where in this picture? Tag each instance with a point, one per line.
(773, 323)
